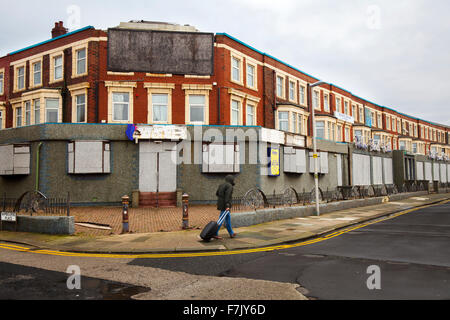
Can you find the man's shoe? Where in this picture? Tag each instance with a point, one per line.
(233, 236)
(217, 238)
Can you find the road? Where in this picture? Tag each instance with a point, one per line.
(411, 253)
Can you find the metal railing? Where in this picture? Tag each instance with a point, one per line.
(35, 203)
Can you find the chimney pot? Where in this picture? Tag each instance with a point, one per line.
(58, 30)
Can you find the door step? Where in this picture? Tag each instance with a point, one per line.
(157, 199)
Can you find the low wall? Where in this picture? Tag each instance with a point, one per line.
(245, 219)
(47, 225)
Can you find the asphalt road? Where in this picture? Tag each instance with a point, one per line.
(412, 253)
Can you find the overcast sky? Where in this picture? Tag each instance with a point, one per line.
(393, 53)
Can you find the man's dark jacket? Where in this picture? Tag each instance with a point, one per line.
(225, 194)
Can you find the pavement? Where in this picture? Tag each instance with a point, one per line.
(263, 235)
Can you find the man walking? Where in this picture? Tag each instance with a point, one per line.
(224, 198)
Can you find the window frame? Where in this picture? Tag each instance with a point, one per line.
(253, 107)
(240, 60)
(292, 90)
(2, 81)
(53, 67)
(75, 60)
(33, 73)
(255, 75)
(283, 86)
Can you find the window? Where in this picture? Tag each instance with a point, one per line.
(37, 73)
(81, 61)
(20, 78)
(293, 122)
(339, 133)
(291, 90)
(51, 110)
(338, 104)
(380, 125)
(250, 76)
(89, 157)
(316, 102)
(414, 148)
(236, 69)
(235, 112)
(326, 103)
(299, 127)
(81, 107)
(347, 134)
(220, 158)
(1, 119)
(2, 81)
(19, 117)
(197, 108)
(399, 126)
(280, 89)
(250, 119)
(58, 68)
(27, 113)
(354, 112)
(402, 145)
(121, 106)
(302, 95)
(320, 129)
(15, 159)
(361, 115)
(346, 110)
(37, 111)
(333, 132)
(358, 135)
(283, 121)
(160, 104)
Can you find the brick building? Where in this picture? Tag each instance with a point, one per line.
(66, 80)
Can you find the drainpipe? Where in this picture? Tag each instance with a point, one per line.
(37, 166)
(218, 105)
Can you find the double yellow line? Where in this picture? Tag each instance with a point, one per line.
(210, 254)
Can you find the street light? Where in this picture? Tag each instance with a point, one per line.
(315, 156)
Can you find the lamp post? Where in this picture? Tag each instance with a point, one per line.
(315, 156)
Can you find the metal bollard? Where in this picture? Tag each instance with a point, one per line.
(125, 204)
(185, 200)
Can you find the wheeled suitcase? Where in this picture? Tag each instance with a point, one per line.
(211, 228)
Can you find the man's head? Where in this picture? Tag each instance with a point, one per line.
(230, 179)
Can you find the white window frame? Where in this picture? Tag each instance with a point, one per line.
(338, 103)
(323, 128)
(33, 73)
(255, 75)
(303, 98)
(53, 67)
(236, 106)
(120, 87)
(16, 77)
(27, 113)
(196, 89)
(316, 99)
(59, 115)
(2, 116)
(280, 85)
(16, 116)
(283, 120)
(36, 110)
(292, 91)
(75, 60)
(238, 69)
(326, 102)
(252, 106)
(75, 91)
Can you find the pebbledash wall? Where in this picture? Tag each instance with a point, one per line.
(54, 179)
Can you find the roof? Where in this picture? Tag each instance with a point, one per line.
(51, 40)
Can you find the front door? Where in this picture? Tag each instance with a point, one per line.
(157, 171)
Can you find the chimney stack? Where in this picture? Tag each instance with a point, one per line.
(59, 29)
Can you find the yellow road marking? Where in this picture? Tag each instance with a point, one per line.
(216, 253)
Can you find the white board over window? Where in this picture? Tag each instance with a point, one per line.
(443, 172)
(14, 159)
(361, 169)
(322, 162)
(219, 158)
(89, 157)
(294, 160)
(388, 171)
(428, 172)
(435, 171)
(420, 175)
(377, 170)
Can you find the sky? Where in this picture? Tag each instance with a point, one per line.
(393, 53)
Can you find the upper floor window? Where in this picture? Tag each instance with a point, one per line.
(235, 112)
(346, 110)
(1, 119)
(51, 110)
(197, 107)
(354, 111)
(302, 95)
(292, 90)
(236, 69)
(280, 87)
(379, 121)
(81, 61)
(283, 120)
(251, 76)
(361, 115)
(37, 73)
(326, 102)
(81, 107)
(250, 119)
(338, 104)
(316, 101)
(37, 111)
(320, 129)
(121, 106)
(58, 67)
(20, 78)
(160, 104)
(2, 81)
(18, 116)
(28, 113)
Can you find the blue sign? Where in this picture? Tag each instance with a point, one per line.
(368, 118)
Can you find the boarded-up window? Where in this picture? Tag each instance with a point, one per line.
(14, 159)
(428, 173)
(420, 175)
(294, 160)
(89, 157)
(443, 173)
(339, 170)
(388, 171)
(219, 158)
(377, 170)
(322, 163)
(361, 170)
(435, 171)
